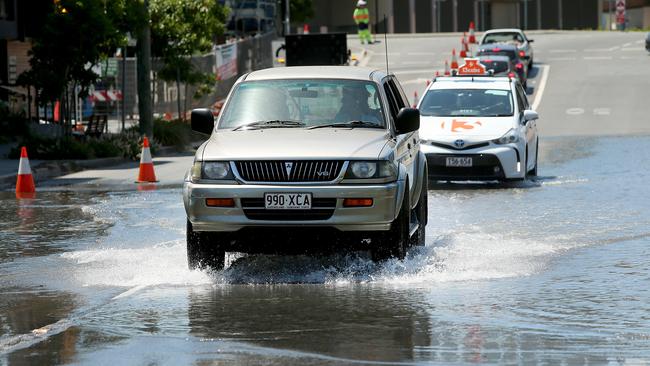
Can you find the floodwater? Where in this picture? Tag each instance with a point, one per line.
(553, 271)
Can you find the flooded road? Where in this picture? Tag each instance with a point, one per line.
(550, 271)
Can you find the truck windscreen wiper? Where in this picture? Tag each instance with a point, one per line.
(351, 124)
(270, 124)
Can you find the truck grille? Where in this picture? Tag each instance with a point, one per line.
(289, 171)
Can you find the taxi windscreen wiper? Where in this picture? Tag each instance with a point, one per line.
(270, 124)
(351, 124)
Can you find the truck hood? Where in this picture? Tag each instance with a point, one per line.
(295, 143)
(468, 128)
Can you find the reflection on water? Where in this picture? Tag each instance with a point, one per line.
(554, 271)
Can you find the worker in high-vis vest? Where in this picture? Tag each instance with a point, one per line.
(362, 18)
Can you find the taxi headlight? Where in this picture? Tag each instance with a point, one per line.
(215, 170)
(370, 170)
(510, 137)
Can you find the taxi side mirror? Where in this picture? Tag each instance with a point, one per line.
(531, 40)
(202, 120)
(530, 115)
(408, 120)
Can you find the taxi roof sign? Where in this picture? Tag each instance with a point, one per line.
(472, 66)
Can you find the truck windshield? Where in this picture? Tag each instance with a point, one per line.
(467, 102)
(312, 102)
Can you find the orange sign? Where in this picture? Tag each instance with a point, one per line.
(472, 66)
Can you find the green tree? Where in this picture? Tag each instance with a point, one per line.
(75, 36)
(180, 29)
(301, 10)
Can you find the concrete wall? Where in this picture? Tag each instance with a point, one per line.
(639, 17)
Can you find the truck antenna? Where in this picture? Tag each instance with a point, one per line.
(386, 43)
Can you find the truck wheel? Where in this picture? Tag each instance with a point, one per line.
(393, 243)
(422, 213)
(204, 250)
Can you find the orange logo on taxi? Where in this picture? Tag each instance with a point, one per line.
(459, 126)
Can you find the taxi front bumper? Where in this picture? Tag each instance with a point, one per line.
(491, 162)
(327, 206)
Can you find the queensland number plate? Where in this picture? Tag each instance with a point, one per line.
(459, 162)
(287, 201)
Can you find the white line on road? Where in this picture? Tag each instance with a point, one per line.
(421, 53)
(562, 59)
(630, 49)
(597, 57)
(563, 51)
(614, 48)
(415, 63)
(596, 50)
(627, 44)
(639, 41)
(542, 86)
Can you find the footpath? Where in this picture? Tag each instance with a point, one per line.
(118, 173)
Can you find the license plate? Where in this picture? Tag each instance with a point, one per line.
(462, 162)
(287, 201)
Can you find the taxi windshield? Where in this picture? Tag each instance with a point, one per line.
(467, 102)
(303, 103)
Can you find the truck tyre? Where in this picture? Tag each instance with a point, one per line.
(393, 244)
(421, 212)
(204, 250)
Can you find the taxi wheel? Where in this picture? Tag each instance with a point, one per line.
(393, 243)
(203, 250)
(421, 211)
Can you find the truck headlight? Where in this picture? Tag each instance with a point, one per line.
(214, 170)
(510, 137)
(371, 170)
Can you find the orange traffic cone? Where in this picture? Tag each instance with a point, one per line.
(463, 47)
(428, 82)
(25, 182)
(454, 60)
(146, 174)
(305, 29)
(447, 71)
(416, 99)
(472, 36)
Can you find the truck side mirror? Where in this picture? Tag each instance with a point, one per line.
(202, 120)
(408, 120)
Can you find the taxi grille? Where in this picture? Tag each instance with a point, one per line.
(289, 171)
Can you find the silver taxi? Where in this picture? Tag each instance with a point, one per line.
(303, 159)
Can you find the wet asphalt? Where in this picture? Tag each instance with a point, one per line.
(549, 271)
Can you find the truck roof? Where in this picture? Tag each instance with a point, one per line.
(316, 72)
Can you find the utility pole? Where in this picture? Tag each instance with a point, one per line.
(287, 24)
(144, 75)
(525, 14)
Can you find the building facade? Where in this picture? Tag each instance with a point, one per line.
(424, 16)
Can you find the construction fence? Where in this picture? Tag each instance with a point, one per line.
(115, 95)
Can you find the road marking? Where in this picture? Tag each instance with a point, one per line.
(613, 48)
(597, 57)
(627, 44)
(602, 111)
(414, 63)
(562, 59)
(639, 41)
(575, 111)
(563, 51)
(596, 50)
(421, 53)
(38, 335)
(542, 85)
(630, 49)
(415, 81)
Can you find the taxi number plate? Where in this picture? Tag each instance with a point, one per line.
(287, 201)
(462, 162)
